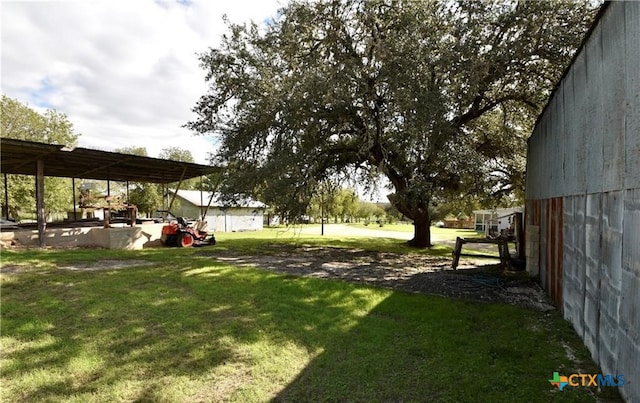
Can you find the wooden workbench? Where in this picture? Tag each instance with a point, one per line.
(503, 250)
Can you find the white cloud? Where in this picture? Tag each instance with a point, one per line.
(126, 73)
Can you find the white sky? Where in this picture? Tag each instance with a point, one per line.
(125, 73)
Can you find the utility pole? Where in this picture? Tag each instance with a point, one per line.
(322, 212)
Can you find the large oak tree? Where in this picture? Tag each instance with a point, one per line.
(438, 96)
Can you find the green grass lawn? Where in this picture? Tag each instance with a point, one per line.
(442, 247)
(270, 238)
(187, 327)
(445, 234)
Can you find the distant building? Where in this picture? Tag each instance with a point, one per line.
(247, 215)
(494, 221)
(460, 223)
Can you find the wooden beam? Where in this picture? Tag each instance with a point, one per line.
(184, 170)
(103, 166)
(519, 233)
(214, 189)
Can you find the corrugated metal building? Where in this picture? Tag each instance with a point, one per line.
(247, 215)
(583, 194)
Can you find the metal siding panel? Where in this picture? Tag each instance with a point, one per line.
(628, 364)
(540, 168)
(592, 275)
(554, 151)
(610, 284)
(581, 126)
(543, 245)
(630, 287)
(547, 161)
(573, 289)
(632, 99)
(560, 188)
(532, 168)
(628, 328)
(528, 170)
(593, 119)
(631, 233)
(543, 169)
(612, 231)
(580, 205)
(568, 261)
(568, 279)
(570, 136)
(542, 150)
(592, 242)
(551, 250)
(591, 320)
(608, 330)
(533, 171)
(613, 79)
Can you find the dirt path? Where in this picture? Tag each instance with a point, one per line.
(407, 272)
(479, 279)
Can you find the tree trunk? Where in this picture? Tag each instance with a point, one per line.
(421, 231)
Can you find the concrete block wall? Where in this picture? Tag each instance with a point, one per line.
(147, 235)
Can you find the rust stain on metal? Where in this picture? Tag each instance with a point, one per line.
(551, 213)
(560, 253)
(554, 249)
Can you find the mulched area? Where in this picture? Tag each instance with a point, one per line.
(407, 272)
(474, 279)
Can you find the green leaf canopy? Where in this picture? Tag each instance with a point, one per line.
(438, 96)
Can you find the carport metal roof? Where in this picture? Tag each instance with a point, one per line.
(19, 157)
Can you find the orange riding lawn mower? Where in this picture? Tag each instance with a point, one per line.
(183, 234)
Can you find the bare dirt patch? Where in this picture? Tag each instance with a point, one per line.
(407, 272)
(110, 264)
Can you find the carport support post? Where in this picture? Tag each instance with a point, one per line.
(42, 224)
(73, 191)
(201, 200)
(6, 197)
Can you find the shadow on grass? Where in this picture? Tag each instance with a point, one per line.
(71, 334)
(253, 245)
(196, 329)
(422, 348)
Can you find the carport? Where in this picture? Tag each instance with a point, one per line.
(41, 160)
